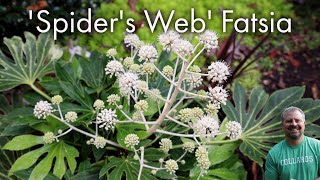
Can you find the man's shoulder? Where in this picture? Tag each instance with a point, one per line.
(276, 148)
(313, 141)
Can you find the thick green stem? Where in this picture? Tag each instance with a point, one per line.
(40, 92)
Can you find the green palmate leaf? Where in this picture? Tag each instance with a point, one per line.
(23, 142)
(223, 173)
(93, 72)
(261, 119)
(31, 60)
(117, 168)
(70, 84)
(218, 154)
(58, 151)
(153, 154)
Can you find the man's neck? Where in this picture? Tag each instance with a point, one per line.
(294, 142)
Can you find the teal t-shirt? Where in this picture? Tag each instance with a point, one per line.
(300, 162)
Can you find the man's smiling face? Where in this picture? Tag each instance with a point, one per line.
(293, 125)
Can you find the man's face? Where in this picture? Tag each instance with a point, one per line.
(293, 125)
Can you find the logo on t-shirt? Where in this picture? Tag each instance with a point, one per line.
(296, 160)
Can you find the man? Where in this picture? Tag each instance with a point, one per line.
(298, 156)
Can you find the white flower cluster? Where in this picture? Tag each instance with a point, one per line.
(148, 68)
(131, 140)
(218, 95)
(114, 67)
(202, 158)
(57, 99)
(132, 40)
(112, 52)
(166, 39)
(182, 47)
(218, 72)
(98, 104)
(190, 114)
(234, 130)
(141, 105)
(71, 116)
(209, 39)
(192, 79)
(206, 127)
(165, 144)
(212, 109)
(42, 109)
(188, 146)
(48, 137)
(113, 99)
(167, 71)
(107, 119)
(100, 142)
(171, 166)
(128, 82)
(148, 53)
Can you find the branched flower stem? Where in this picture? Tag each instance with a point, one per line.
(83, 132)
(64, 133)
(169, 104)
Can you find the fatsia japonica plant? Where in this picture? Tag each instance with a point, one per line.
(149, 115)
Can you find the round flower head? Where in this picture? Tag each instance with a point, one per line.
(206, 127)
(135, 68)
(165, 144)
(131, 40)
(166, 39)
(48, 137)
(195, 69)
(218, 95)
(209, 39)
(141, 105)
(155, 93)
(197, 112)
(202, 158)
(107, 119)
(167, 71)
(148, 68)
(136, 116)
(218, 72)
(154, 172)
(142, 85)
(112, 52)
(188, 146)
(98, 104)
(128, 61)
(234, 129)
(100, 142)
(128, 82)
(171, 166)
(113, 99)
(57, 99)
(131, 140)
(147, 53)
(71, 116)
(194, 80)
(212, 109)
(42, 109)
(182, 47)
(186, 115)
(114, 68)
